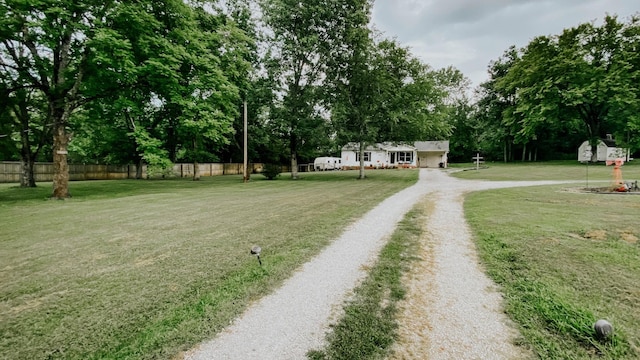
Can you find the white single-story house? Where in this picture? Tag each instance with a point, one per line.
(606, 150)
(432, 154)
(379, 156)
(397, 155)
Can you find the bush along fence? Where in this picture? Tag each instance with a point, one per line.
(10, 171)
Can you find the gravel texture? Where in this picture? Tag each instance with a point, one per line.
(452, 309)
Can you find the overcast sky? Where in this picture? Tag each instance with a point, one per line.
(468, 34)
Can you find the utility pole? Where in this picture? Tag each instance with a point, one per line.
(245, 172)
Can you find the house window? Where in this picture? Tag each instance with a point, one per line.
(367, 156)
(405, 156)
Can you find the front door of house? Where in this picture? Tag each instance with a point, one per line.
(393, 158)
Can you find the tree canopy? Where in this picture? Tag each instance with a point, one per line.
(164, 70)
(583, 81)
(155, 82)
(299, 38)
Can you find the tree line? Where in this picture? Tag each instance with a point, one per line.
(543, 100)
(157, 82)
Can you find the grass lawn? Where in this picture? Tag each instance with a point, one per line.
(596, 174)
(146, 269)
(564, 259)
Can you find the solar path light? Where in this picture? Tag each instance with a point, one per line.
(603, 329)
(256, 251)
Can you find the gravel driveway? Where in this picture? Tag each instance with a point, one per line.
(452, 310)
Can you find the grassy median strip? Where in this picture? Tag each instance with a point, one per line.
(563, 259)
(146, 269)
(368, 327)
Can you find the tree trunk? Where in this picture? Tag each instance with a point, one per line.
(27, 156)
(294, 157)
(294, 165)
(27, 159)
(196, 166)
(524, 152)
(513, 149)
(594, 153)
(139, 165)
(196, 171)
(505, 154)
(27, 178)
(60, 165)
(172, 141)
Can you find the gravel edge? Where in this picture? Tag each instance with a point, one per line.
(295, 318)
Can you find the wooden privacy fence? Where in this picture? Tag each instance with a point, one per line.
(10, 171)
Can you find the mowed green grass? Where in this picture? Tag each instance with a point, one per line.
(597, 174)
(563, 259)
(147, 269)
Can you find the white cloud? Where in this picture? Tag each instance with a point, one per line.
(468, 34)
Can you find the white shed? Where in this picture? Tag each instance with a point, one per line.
(379, 156)
(606, 150)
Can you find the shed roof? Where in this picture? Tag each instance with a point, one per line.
(610, 143)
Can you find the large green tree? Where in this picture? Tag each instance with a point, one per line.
(380, 91)
(349, 79)
(161, 67)
(496, 106)
(52, 46)
(465, 140)
(132, 123)
(300, 36)
(204, 100)
(587, 73)
(182, 93)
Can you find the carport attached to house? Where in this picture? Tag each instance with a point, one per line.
(432, 153)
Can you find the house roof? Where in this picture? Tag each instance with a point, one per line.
(397, 147)
(387, 146)
(420, 146)
(432, 145)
